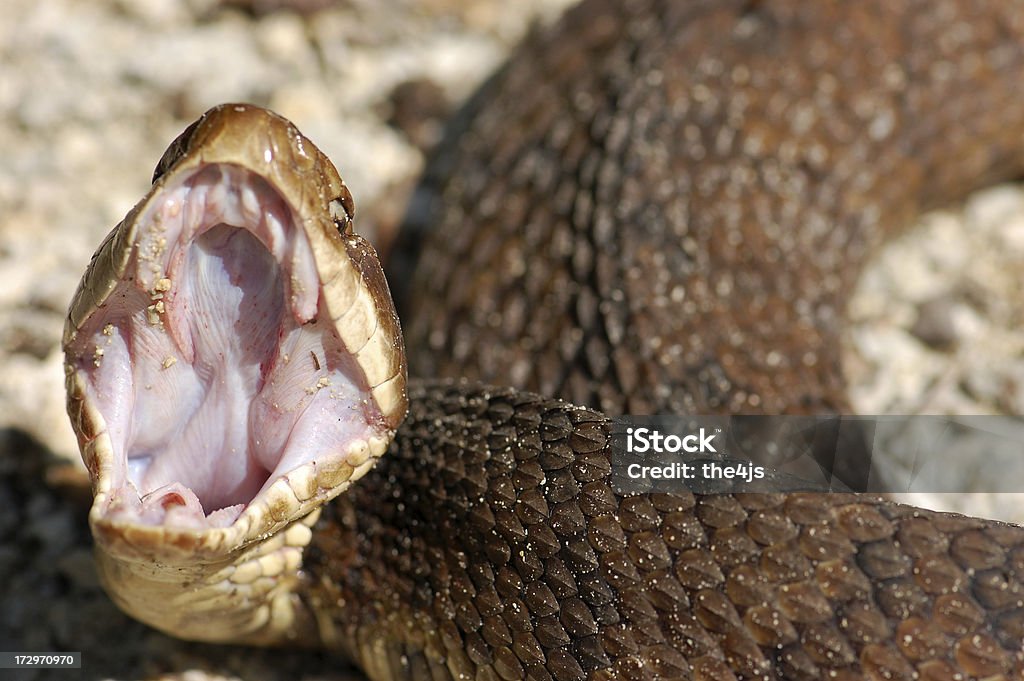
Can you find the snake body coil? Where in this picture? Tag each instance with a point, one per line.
(656, 206)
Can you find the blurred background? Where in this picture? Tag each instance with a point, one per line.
(92, 92)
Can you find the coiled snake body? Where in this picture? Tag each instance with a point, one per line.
(656, 206)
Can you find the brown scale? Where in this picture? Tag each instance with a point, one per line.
(651, 586)
(661, 207)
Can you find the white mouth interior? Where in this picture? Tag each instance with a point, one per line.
(214, 362)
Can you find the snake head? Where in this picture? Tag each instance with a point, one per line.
(233, 357)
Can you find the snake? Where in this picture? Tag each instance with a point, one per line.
(655, 206)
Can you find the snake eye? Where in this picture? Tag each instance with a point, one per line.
(342, 209)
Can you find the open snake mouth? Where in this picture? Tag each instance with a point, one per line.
(221, 355)
(212, 364)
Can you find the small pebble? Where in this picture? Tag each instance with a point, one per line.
(934, 326)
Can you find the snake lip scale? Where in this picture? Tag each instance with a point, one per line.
(646, 238)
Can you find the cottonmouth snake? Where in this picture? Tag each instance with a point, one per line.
(656, 206)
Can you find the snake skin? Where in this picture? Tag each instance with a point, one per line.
(503, 553)
(660, 207)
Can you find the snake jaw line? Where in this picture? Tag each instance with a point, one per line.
(198, 433)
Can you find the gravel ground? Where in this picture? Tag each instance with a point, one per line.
(91, 93)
